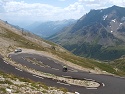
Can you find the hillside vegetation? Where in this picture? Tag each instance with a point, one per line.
(119, 65)
(99, 34)
(11, 38)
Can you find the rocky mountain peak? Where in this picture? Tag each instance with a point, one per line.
(95, 32)
(103, 16)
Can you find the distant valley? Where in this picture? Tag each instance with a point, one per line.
(66, 54)
(86, 37)
(47, 29)
(100, 34)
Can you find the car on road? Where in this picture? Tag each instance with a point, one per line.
(77, 93)
(65, 69)
(18, 50)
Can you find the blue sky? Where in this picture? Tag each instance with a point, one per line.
(29, 11)
(57, 3)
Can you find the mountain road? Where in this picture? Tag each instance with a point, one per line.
(109, 84)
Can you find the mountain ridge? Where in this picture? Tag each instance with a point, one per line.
(46, 29)
(103, 28)
(12, 38)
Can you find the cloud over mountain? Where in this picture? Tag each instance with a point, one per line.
(18, 10)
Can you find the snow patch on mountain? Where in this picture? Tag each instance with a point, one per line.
(114, 20)
(104, 17)
(120, 24)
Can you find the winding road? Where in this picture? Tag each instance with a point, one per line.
(108, 83)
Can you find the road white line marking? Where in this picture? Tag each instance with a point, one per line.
(42, 66)
(47, 66)
(18, 69)
(66, 76)
(120, 77)
(56, 62)
(23, 58)
(38, 76)
(6, 62)
(55, 69)
(73, 70)
(91, 88)
(63, 83)
(103, 84)
(77, 93)
(49, 58)
(89, 79)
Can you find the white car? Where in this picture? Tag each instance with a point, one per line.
(18, 50)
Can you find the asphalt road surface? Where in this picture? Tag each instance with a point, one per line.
(108, 84)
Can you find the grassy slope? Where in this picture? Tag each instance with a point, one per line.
(26, 43)
(22, 42)
(26, 85)
(119, 64)
(97, 51)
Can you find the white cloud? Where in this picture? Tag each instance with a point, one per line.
(75, 10)
(37, 11)
(20, 11)
(93, 4)
(103, 3)
(118, 2)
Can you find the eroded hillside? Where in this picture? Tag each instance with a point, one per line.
(11, 38)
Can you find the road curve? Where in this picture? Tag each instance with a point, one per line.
(109, 84)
